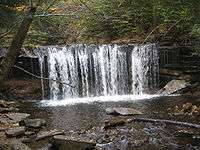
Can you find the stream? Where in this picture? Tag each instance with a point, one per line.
(88, 117)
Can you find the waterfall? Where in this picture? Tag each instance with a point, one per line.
(105, 70)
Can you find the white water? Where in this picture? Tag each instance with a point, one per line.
(115, 98)
(106, 72)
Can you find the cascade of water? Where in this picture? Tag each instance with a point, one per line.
(102, 70)
(41, 63)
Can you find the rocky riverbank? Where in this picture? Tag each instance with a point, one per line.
(18, 130)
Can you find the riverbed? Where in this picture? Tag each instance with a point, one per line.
(88, 117)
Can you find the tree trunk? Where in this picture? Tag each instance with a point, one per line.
(16, 44)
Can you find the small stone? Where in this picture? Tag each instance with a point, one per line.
(196, 137)
(187, 107)
(3, 104)
(138, 143)
(25, 140)
(18, 145)
(33, 123)
(2, 135)
(185, 133)
(14, 132)
(195, 110)
(122, 111)
(5, 144)
(116, 145)
(48, 147)
(29, 133)
(114, 122)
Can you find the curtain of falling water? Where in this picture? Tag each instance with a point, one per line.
(101, 70)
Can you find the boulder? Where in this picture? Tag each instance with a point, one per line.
(33, 123)
(122, 111)
(63, 142)
(14, 132)
(173, 87)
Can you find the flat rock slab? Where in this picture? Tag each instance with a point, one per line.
(47, 134)
(17, 117)
(63, 142)
(122, 111)
(33, 123)
(14, 132)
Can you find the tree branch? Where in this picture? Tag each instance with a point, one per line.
(98, 16)
(7, 32)
(47, 15)
(173, 25)
(38, 77)
(16, 44)
(151, 33)
(191, 125)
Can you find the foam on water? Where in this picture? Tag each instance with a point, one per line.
(73, 101)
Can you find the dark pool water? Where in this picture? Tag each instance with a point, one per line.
(84, 116)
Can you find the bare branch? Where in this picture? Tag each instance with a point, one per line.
(46, 15)
(7, 32)
(98, 16)
(42, 77)
(30, 3)
(172, 26)
(185, 124)
(49, 6)
(151, 33)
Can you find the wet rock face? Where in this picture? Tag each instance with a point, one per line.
(173, 87)
(122, 111)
